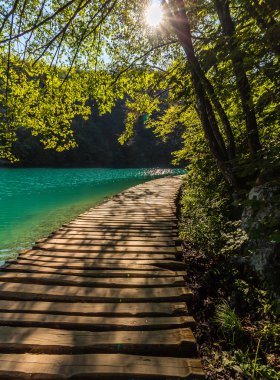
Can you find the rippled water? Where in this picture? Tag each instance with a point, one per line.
(34, 202)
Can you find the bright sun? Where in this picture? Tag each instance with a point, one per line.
(153, 14)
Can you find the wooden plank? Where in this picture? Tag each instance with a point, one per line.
(97, 366)
(104, 207)
(58, 279)
(60, 234)
(97, 258)
(121, 265)
(124, 224)
(161, 309)
(34, 254)
(125, 201)
(126, 220)
(115, 273)
(178, 343)
(115, 243)
(120, 232)
(101, 263)
(120, 201)
(93, 261)
(89, 323)
(113, 222)
(131, 210)
(141, 216)
(50, 245)
(139, 198)
(123, 215)
(20, 291)
(167, 198)
(128, 228)
(120, 215)
(122, 229)
(123, 207)
(131, 213)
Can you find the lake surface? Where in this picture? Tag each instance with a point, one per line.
(35, 202)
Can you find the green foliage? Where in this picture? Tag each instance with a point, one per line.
(205, 207)
(240, 318)
(106, 52)
(234, 237)
(251, 366)
(37, 100)
(227, 321)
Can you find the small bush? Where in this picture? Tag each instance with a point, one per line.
(205, 207)
(229, 295)
(227, 321)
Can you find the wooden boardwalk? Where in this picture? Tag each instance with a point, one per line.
(103, 297)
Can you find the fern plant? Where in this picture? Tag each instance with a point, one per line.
(228, 321)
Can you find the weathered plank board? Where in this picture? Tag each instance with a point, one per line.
(58, 279)
(179, 342)
(125, 224)
(129, 215)
(101, 263)
(167, 231)
(98, 255)
(120, 232)
(124, 217)
(89, 323)
(132, 210)
(141, 244)
(107, 237)
(98, 367)
(20, 291)
(52, 244)
(107, 273)
(71, 264)
(98, 309)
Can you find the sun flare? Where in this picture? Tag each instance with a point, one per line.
(153, 14)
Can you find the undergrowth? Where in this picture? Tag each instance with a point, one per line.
(237, 312)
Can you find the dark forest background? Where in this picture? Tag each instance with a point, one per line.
(98, 145)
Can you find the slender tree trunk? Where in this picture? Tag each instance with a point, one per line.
(212, 133)
(216, 131)
(231, 147)
(243, 85)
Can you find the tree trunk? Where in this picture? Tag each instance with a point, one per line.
(181, 14)
(205, 110)
(243, 85)
(231, 148)
(216, 146)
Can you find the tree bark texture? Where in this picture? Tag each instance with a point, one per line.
(243, 85)
(180, 24)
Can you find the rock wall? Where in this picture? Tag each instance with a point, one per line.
(261, 220)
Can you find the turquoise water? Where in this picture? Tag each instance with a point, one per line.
(34, 202)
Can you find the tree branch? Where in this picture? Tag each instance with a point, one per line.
(34, 27)
(14, 7)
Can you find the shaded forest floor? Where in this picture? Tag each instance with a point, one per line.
(243, 341)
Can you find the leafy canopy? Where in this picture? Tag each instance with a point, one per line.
(56, 55)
